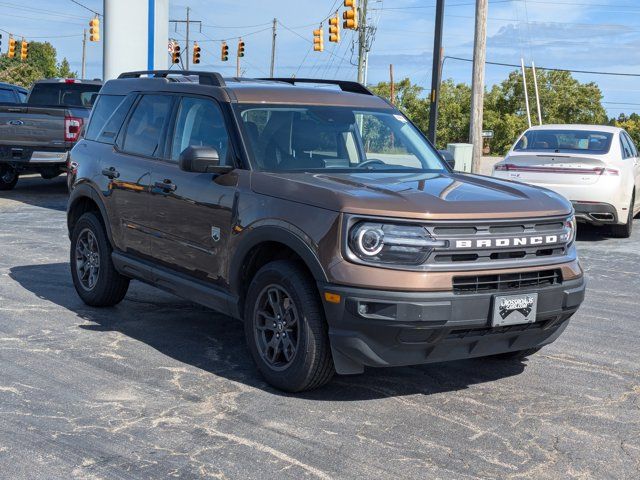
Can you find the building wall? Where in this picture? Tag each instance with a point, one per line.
(129, 43)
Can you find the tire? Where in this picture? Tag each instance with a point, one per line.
(517, 355)
(95, 279)
(301, 361)
(8, 177)
(624, 231)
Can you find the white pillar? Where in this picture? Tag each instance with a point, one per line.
(135, 36)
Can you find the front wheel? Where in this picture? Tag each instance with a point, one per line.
(624, 231)
(8, 177)
(285, 328)
(94, 276)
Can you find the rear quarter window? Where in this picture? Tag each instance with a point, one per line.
(107, 116)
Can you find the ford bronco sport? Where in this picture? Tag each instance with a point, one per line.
(317, 214)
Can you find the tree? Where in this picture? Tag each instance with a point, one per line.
(631, 123)
(563, 100)
(41, 63)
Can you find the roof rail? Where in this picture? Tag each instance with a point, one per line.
(345, 85)
(204, 78)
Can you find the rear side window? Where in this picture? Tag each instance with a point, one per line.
(627, 151)
(634, 150)
(107, 117)
(144, 131)
(62, 94)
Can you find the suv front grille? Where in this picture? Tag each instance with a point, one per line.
(506, 281)
(495, 241)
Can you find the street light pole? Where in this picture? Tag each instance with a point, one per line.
(436, 72)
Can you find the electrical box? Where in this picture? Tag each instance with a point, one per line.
(463, 155)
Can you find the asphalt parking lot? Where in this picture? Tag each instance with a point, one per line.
(159, 387)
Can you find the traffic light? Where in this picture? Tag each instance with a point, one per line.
(175, 54)
(334, 29)
(224, 52)
(350, 16)
(196, 53)
(12, 47)
(240, 48)
(318, 40)
(24, 50)
(94, 30)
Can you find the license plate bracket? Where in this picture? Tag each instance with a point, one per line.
(514, 309)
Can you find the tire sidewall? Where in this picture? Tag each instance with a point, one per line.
(8, 185)
(91, 222)
(296, 374)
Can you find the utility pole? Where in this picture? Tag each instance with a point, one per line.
(477, 87)
(362, 41)
(535, 84)
(436, 72)
(526, 91)
(188, 23)
(273, 48)
(392, 93)
(84, 53)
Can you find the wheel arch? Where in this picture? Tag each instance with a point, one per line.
(84, 199)
(264, 244)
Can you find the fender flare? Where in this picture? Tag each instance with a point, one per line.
(85, 191)
(284, 234)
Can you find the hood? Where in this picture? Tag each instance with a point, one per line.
(429, 196)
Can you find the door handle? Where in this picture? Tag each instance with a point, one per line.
(110, 172)
(166, 185)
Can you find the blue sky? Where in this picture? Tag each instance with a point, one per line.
(576, 34)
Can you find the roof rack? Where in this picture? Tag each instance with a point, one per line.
(345, 85)
(204, 78)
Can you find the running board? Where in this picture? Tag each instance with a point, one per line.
(176, 283)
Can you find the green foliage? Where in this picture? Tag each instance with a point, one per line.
(563, 99)
(631, 123)
(41, 63)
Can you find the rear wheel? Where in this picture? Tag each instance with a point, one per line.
(624, 231)
(8, 177)
(285, 328)
(96, 280)
(517, 355)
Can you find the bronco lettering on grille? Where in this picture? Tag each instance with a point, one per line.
(507, 242)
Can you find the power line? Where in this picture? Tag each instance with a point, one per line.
(85, 7)
(553, 69)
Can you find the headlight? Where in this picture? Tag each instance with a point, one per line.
(570, 228)
(391, 244)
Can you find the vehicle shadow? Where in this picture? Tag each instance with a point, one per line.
(197, 336)
(36, 191)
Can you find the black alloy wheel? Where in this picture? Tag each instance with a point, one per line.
(87, 259)
(275, 321)
(286, 330)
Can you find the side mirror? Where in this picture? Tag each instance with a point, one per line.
(201, 159)
(448, 157)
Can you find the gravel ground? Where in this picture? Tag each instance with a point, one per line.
(158, 387)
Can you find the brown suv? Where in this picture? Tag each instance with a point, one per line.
(317, 214)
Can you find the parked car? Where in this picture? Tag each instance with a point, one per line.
(322, 218)
(596, 167)
(36, 136)
(10, 94)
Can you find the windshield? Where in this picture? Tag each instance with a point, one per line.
(312, 138)
(565, 141)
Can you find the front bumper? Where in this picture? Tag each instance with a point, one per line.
(416, 328)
